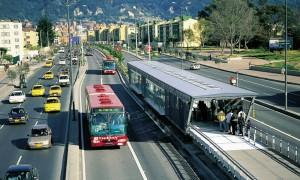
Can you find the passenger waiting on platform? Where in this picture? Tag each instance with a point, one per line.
(234, 121)
(221, 118)
(241, 121)
(228, 119)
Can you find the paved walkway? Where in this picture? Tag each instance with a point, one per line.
(251, 157)
(6, 88)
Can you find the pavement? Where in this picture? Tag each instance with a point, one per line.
(5, 85)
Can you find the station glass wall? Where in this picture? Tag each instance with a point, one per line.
(156, 95)
(135, 80)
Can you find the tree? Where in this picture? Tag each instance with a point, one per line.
(11, 75)
(188, 36)
(228, 19)
(205, 30)
(45, 30)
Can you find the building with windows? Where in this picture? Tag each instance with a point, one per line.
(30, 37)
(172, 32)
(11, 38)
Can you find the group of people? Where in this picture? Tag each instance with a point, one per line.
(233, 121)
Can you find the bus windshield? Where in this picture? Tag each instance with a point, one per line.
(109, 65)
(108, 123)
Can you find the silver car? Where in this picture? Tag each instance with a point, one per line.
(40, 137)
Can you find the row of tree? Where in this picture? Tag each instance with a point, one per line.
(236, 23)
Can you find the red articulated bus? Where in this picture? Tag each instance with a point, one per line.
(109, 65)
(106, 117)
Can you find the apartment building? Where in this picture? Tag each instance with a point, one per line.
(11, 38)
(30, 37)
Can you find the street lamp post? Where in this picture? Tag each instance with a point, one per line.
(70, 56)
(149, 44)
(285, 58)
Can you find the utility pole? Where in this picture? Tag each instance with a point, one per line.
(41, 39)
(70, 60)
(47, 38)
(127, 38)
(149, 43)
(285, 58)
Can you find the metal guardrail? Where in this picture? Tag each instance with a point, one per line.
(282, 143)
(224, 160)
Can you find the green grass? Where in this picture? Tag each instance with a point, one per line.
(293, 55)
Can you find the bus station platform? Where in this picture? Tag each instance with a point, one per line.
(191, 102)
(253, 158)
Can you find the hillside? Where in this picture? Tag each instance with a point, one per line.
(100, 10)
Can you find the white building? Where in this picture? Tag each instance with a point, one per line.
(11, 37)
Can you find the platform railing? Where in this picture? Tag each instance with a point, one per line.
(224, 160)
(273, 139)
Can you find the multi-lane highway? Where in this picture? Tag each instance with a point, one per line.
(13, 138)
(141, 158)
(269, 91)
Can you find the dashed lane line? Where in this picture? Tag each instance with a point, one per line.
(19, 160)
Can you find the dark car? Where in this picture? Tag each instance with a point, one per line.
(17, 115)
(21, 172)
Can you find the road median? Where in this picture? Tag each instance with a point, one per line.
(73, 170)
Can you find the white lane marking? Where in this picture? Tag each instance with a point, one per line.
(129, 144)
(81, 132)
(36, 123)
(19, 160)
(19, 105)
(137, 161)
(2, 126)
(41, 112)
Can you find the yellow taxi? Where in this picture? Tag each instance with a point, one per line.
(38, 90)
(52, 104)
(55, 90)
(49, 63)
(48, 75)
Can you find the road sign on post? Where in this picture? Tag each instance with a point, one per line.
(148, 48)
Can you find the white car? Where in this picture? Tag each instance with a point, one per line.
(62, 62)
(17, 97)
(40, 137)
(195, 66)
(61, 51)
(63, 80)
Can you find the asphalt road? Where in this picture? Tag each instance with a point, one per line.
(13, 138)
(268, 91)
(119, 163)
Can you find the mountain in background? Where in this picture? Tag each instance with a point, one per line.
(100, 10)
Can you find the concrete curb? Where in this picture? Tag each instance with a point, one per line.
(73, 170)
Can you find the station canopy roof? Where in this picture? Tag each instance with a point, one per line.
(191, 84)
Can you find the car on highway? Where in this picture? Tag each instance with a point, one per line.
(40, 137)
(62, 62)
(21, 172)
(64, 80)
(38, 90)
(74, 60)
(55, 90)
(52, 104)
(17, 97)
(195, 66)
(48, 63)
(64, 71)
(17, 115)
(48, 75)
